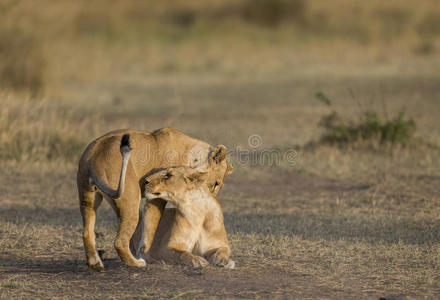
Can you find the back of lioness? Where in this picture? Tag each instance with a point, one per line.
(100, 169)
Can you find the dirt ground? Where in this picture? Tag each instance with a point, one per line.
(337, 223)
(54, 266)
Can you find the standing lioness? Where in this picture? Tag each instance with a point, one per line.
(192, 233)
(121, 159)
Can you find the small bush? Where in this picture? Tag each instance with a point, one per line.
(22, 64)
(369, 127)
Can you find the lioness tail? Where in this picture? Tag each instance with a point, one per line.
(125, 152)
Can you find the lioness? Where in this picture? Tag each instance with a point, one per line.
(194, 230)
(100, 169)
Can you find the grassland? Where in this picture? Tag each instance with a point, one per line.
(340, 222)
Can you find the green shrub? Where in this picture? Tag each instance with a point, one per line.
(368, 127)
(22, 64)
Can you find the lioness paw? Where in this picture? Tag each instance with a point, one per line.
(224, 262)
(199, 262)
(220, 258)
(140, 263)
(96, 264)
(230, 264)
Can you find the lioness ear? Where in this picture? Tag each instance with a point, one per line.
(196, 179)
(218, 155)
(229, 168)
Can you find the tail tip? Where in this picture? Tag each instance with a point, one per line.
(125, 143)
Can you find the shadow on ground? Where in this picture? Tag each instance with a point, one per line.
(331, 227)
(54, 216)
(155, 280)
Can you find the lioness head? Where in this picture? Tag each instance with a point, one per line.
(173, 184)
(217, 169)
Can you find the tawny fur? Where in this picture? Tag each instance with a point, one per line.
(100, 169)
(192, 233)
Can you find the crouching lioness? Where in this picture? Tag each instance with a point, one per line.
(193, 233)
(113, 167)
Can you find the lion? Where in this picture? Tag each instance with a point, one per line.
(106, 163)
(193, 233)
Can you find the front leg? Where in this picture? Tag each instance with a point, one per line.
(220, 258)
(184, 235)
(152, 215)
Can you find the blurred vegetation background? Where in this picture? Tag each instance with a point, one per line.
(47, 44)
(54, 54)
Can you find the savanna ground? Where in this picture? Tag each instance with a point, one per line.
(361, 221)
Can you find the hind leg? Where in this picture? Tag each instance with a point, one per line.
(89, 202)
(128, 216)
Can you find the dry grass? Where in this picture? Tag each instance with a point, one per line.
(41, 130)
(22, 66)
(83, 41)
(338, 223)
